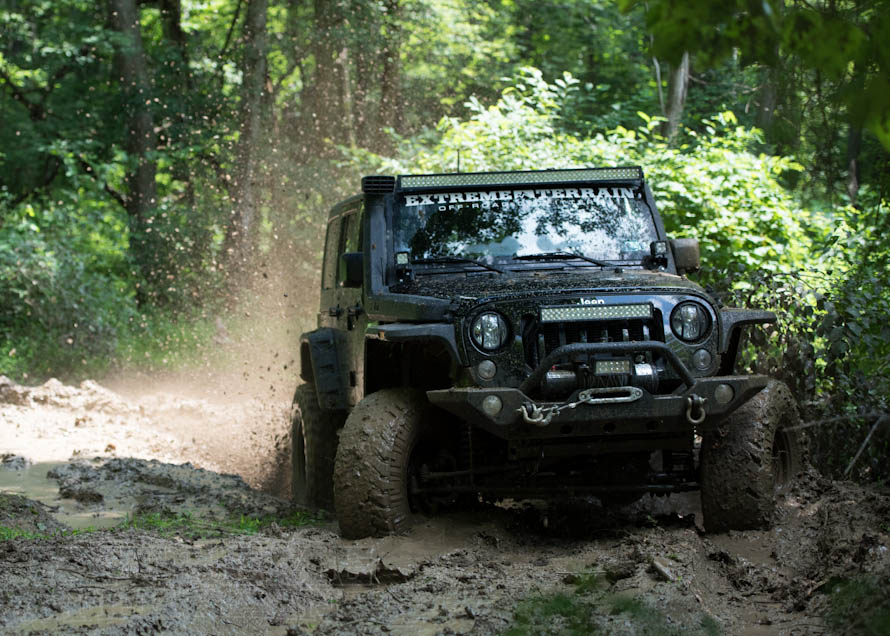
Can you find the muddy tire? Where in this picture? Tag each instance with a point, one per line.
(748, 460)
(373, 461)
(313, 449)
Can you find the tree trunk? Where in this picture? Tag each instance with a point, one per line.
(768, 99)
(322, 112)
(391, 108)
(253, 84)
(130, 69)
(678, 84)
(854, 144)
(171, 22)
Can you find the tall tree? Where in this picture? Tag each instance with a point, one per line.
(141, 196)
(322, 102)
(678, 86)
(391, 112)
(253, 87)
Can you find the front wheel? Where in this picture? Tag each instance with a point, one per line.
(752, 455)
(381, 444)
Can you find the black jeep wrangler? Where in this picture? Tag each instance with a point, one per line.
(526, 335)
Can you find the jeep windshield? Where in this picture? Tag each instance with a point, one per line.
(523, 227)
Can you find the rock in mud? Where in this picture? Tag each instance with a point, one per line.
(13, 462)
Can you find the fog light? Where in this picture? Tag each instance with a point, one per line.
(723, 394)
(486, 369)
(492, 405)
(701, 359)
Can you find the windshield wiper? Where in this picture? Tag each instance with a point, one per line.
(456, 259)
(554, 256)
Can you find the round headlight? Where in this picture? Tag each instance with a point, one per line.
(489, 331)
(690, 321)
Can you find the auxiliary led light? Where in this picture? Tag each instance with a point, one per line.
(575, 313)
(510, 178)
(612, 367)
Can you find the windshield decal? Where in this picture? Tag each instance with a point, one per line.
(442, 199)
(499, 226)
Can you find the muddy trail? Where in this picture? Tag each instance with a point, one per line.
(182, 528)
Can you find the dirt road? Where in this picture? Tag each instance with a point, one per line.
(220, 555)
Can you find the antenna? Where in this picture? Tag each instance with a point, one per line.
(458, 160)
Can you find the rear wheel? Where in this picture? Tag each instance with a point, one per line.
(751, 457)
(313, 448)
(385, 441)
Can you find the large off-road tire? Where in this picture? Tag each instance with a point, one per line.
(748, 460)
(379, 447)
(313, 449)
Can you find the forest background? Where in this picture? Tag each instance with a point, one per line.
(161, 159)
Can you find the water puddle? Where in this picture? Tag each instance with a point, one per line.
(31, 481)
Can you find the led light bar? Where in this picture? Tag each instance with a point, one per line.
(513, 178)
(576, 313)
(612, 367)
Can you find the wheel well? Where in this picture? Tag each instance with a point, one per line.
(421, 365)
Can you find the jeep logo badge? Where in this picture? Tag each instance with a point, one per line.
(593, 301)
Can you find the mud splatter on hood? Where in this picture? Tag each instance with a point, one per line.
(476, 286)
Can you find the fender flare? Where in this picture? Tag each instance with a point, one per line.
(320, 353)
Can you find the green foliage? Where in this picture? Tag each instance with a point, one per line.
(848, 42)
(860, 606)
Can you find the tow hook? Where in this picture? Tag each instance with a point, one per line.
(695, 409)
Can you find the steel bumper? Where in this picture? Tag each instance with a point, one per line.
(638, 413)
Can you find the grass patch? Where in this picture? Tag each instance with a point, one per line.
(183, 525)
(8, 533)
(860, 605)
(187, 525)
(574, 614)
(553, 614)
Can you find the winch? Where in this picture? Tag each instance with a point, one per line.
(563, 379)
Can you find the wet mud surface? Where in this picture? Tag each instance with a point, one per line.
(465, 572)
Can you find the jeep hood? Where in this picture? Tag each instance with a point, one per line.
(478, 287)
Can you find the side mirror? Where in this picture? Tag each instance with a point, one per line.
(687, 256)
(352, 269)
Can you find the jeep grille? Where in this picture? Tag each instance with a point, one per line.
(539, 338)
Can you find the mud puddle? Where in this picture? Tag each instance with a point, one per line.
(33, 482)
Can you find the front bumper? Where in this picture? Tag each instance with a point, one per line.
(644, 414)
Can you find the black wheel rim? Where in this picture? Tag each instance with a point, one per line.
(781, 459)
